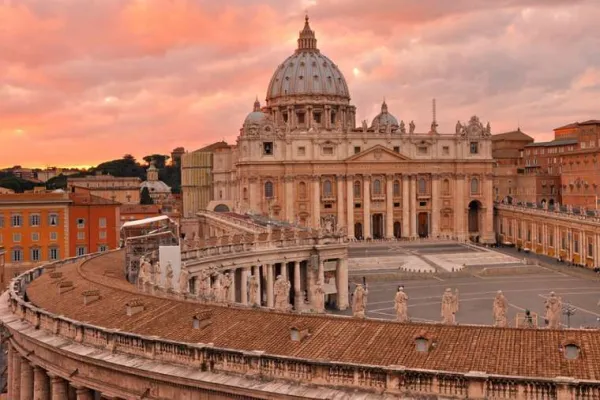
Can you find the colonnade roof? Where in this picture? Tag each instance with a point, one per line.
(502, 351)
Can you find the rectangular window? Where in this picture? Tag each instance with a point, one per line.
(16, 237)
(328, 205)
(34, 220)
(81, 250)
(102, 247)
(53, 219)
(422, 150)
(35, 236)
(35, 254)
(80, 223)
(80, 235)
(16, 255)
(300, 118)
(576, 244)
(396, 149)
(328, 151)
(356, 149)
(268, 148)
(102, 222)
(446, 150)
(563, 242)
(102, 235)
(16, 220)
(301, 151)
(53, 254)
(356, 205)
(396, 205)
(317, 117)
(474, 147)
(53, 236)
(551, 238)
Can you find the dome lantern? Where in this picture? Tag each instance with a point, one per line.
(307, 39)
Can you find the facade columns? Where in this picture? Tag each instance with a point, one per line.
(58, 388)
(341, 280)
(83, 393)
(232, 287)
(284, 270)
(413, 206)
(341, 220)
(297, 288)
(367, 207)
(244, 286)
(316, 211)
(41, 384)
(270, 299)
(389, 206)
(350, 204)
(253, 194)
(26, 379)
(16, 375)
(488, 231)
(405, 206)
(289, 199)
(459, 209)
(256, 274)
(435, 205)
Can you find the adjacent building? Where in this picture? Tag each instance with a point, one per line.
(122, 190)
(132, 212)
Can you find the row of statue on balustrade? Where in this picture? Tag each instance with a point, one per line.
(553, 308)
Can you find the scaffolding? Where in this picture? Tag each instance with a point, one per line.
(142, 238)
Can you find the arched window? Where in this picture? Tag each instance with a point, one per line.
(422, 186)
(327, 188)
(357, 190)
(245, 194)
(377, 186)
(474, 186)
(302, 190)
(268, 189)
(396, 188)
(446, 186)
(220, 194)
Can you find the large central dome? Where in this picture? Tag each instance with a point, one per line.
(307, 72)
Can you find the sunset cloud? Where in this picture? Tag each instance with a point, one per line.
(83, 81)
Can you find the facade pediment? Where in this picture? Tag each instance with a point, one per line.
(377, 154)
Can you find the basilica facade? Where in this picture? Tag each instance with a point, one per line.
(303, 158)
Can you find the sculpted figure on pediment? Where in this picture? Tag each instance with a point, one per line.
(401, 305)
(449, 307)
(475, 128)
(184, 277)
(203, 284)
(500, 310)
(359, 301)
(217, 289)
(226, 284)
(282, 293)
(168, 276)
(365, 126)
(253, 291)
(411, 127)
(553, 306)
(143, 273)
(402, 127)
(318, 297)
(157, 272)
(459, 128)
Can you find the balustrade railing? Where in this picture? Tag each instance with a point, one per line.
(593, 219)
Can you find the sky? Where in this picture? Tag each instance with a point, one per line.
(84, 81)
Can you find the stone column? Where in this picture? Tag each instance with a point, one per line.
(341, 218)
(367, 207)
(297, 288)
(341, 280)
(244, 286)
(435, 205)
(256, 274)
(58, 388)
(405, 206)
(316, 203)
(327, 117)
(459, 207)
(413, 206)
(289, 198)
(488, 195)
(16, 375)
(270, 299)
(309, 117)
(26, 380)
(41, 384)
(389, 206)
(254, 194)
(350, 204)
(284, 270)
(83, 393)
(232, 287)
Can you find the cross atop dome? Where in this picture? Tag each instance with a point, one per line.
(384, 107)
(307, 40)
(256, 105)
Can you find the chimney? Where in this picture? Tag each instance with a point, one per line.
(90, 296)
(134, 306)
(298, 332)
(65, 286)
(202, 319)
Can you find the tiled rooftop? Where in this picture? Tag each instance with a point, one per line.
(502, 351)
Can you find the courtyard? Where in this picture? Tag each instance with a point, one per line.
(476, 272)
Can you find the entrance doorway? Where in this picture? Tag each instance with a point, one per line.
(358, 233)
(377, 226)
(397, 230)
(423, 221)
(474, 215)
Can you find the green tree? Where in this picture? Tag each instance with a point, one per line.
(145, 197)
(124, 167)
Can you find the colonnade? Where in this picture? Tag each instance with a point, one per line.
(28, 381)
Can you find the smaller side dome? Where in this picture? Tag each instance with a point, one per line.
(384, 118)
(256, 116)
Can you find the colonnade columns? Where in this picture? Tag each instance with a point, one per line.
(41, 384)
(58, 388)
(342, 283)
(83, 393)
(350, 204)
(289, 198)
(367, 206)
(316, 211)
(232, 292)
(389, 207)
(244, 286)
(26, 379)
(16, 375)
(256, 274)
(341, 221)
(435, 205)
(413, 205)
(297, 289)
(270, 299)
(405, 207)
